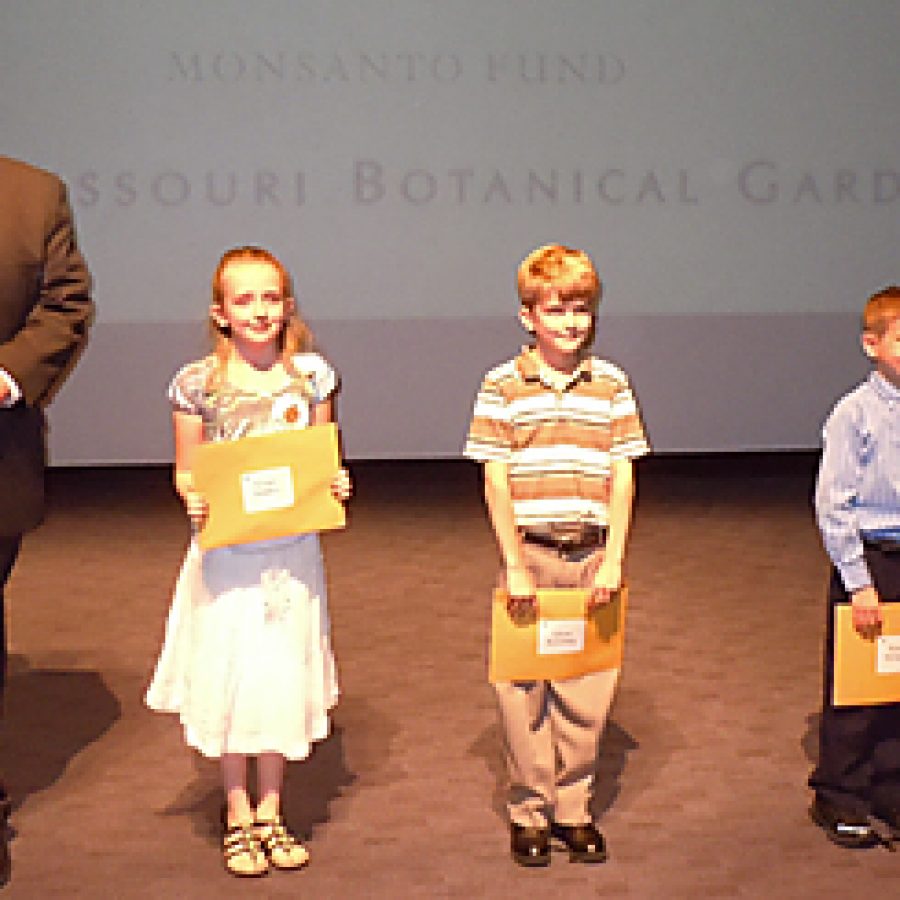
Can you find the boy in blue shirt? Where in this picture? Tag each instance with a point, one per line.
(857, 504)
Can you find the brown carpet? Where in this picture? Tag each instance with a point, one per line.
(702, 787)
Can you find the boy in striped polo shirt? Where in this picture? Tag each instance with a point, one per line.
(857, 503)
(557, 430)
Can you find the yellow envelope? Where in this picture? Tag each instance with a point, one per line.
(866, 672)
(268, 486)
(562, 641)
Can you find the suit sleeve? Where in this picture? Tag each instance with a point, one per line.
(40, 353)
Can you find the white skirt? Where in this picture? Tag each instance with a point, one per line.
(247, 662)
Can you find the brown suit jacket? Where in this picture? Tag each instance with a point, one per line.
(45, 310)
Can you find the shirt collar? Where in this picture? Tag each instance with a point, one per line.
(883, 387)
(531, 368)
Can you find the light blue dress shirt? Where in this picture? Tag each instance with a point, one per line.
(858, 489)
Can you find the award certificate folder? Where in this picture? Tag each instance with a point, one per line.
(866, 671)
(562, 640)
(268, 486)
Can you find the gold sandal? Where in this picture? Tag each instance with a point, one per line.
(242, 852)
(281, 847)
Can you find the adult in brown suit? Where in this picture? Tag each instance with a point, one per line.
(45, 310)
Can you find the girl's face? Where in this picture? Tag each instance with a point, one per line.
(253, 306)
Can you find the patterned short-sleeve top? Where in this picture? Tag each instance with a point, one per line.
(229, 412)
(560, 446)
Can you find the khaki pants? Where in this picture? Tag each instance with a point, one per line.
(552, 729)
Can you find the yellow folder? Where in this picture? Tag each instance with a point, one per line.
(563, 640)
(268, 486)
(866, 671)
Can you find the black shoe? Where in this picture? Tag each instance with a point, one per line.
(843, 828)
(530, 846)
(584, 843)
(5, 858)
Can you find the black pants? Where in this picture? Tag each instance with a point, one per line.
(859, 746)
(9, 549)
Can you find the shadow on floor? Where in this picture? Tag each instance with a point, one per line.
(51, 715)
(615, 746)
(309, 789)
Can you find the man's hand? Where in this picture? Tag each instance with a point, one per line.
(521, 590)
(866, 612)
(606, 582)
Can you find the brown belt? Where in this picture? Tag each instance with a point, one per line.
(885, 545)
(587, 537)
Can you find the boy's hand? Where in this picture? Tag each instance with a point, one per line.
(866, 612)
(521, 590)
(606, 582)
(196, 506)
(341, 485)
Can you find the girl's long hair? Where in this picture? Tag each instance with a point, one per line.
(295, 337)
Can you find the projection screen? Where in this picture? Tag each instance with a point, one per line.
(730, 166)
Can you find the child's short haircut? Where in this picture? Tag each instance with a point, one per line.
(569, 271)
(881, 310)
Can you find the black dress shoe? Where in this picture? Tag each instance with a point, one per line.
(843, 828)
(530, 846)
(584, 843)
(5, 858)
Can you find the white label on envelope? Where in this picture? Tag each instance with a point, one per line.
(267, 489)
(560, 636)
(888, 655)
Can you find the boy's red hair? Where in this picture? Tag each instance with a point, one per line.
(881, 310)
(569, 271)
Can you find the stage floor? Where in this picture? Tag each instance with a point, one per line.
(702, 775)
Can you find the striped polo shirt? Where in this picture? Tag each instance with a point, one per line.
(559, 445)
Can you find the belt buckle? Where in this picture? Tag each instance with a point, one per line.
(569, 539)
